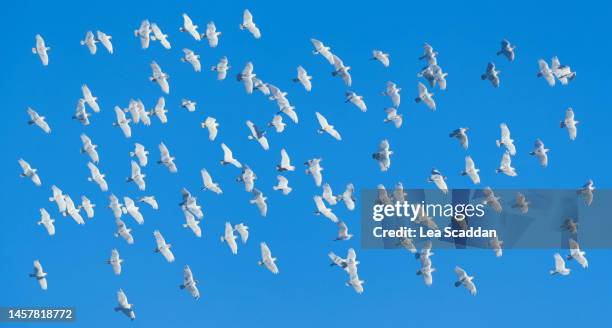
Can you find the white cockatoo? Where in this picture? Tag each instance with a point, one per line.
(29, 172)
(249, 25)
(115, 261)
(221, 68)
(326, 127)
(166, 159)
(124, 306)
(382, 57)
(471, 170)
(46, 221)
(267, 259)
(211, 124)
(162, 247)
(314, 168)
(38, 120)
(189, 283)
(160, 77)
(158, 35)
(505, 166)
(40, 275)
(105, 39)
(41, 50)
(282, 185)
(97, 177)
(130, 208)
(192, 58)
(228, 157)
(209, 184)
(90, 42)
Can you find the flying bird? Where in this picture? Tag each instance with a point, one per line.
(115, 261)
(461, 135)
(133, 210)
(465, 280)
(124, 306)
(89, 148)
(285, 164)
(189, 105)
(137, 177)
(115, 206)
(162, 247)
(303, 78)
(546, 72)
(563, 73)
(471, 170)
(426, 97)
(321, 49)
(326, 127)
(260, 200)
(343, 232)
(496, 245)
(58, 198)
(540, 152)
(81, 114)
(189, 283)
(559, 266)
(190, 28)
(190, 204)
(38, 120)
(314, 169)
(577, 254)
(40, 275)
(491, 74)
(393, 116)
(257, 134)
(88, 206)
(89, 98)
(211, 34)
(505, 166)
(393, 92)
(228, 157)
(158, 35)
(521, 203)
(192, 223)
(491, 199)
(267, 259)
(277, 123)
(124, 232)
(160, 110)
(105, 39)
(46, 221)
(221, 68)
(439, 180)
(243, 231)
(383, 155)
(506, 140)
(149, 200)
(29, 172)
(230, 238)
(209, 184)
(141, 154)
(507, 49)
(166, 159)
(97, 177)
(249, 25)
(248, 177)
(429, 54)
(328, 195)
(347, 197)
(247, 76)
(586, 192)
(41, 50)
(282, 185)
(160, 77)
(341, 70)
(382, 57)
(144, 34)
(324, 210)
(90, 42)
(123, 122)
(73, 211)
(570, 123)
(211, 124)
(191, 58)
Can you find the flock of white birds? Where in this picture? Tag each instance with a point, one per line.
(136, 113)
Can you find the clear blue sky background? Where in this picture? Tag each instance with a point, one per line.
(515, 289)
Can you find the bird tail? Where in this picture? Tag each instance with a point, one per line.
(562, 124)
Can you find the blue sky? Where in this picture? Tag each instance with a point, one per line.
(235, 291)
